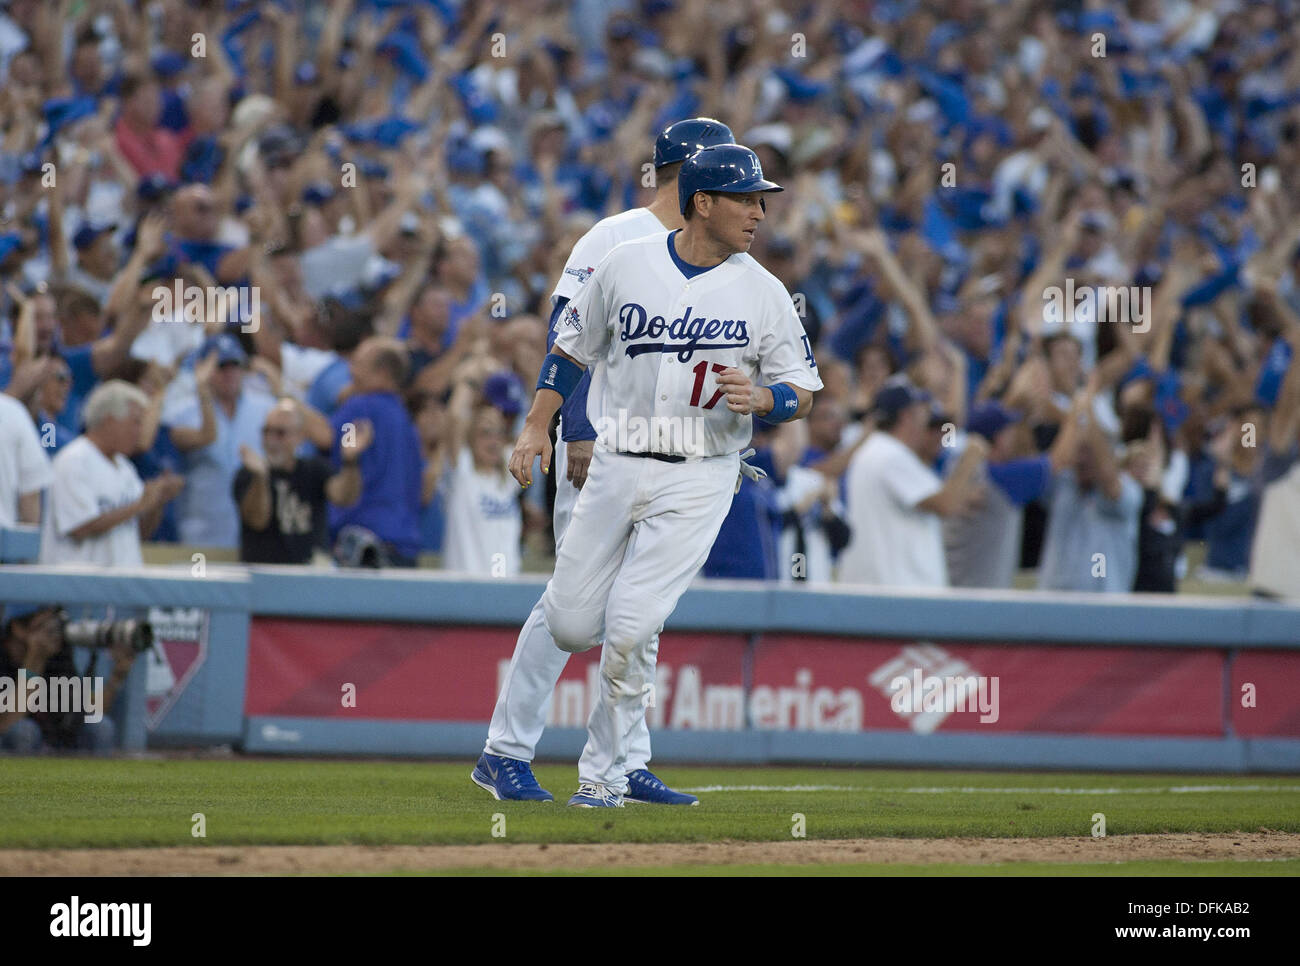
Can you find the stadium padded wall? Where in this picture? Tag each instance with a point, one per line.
(292, 661)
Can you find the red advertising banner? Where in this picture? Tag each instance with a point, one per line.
(830, 684)
(299, 668)
(393, 671)
(1264, 701)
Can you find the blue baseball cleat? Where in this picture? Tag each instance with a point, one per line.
(595, 796)
(508, 779)
(645, 789)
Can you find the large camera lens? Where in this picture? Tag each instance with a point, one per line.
(107, 634)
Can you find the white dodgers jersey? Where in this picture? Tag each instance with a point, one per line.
(656, 341)
(597, 243)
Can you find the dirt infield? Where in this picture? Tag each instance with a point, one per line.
(330, 859)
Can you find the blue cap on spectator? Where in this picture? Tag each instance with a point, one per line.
(306, 74)
(89, 233)
(896, 395)
(387, 132)
(167, 63)
(504, 391)
(279, 144)
(30, 162)
(154, 187)
(227, 348)
(990, 418)
(62, 111)
(317, 193)
(798, 88)
(464, 158)
(9, 241)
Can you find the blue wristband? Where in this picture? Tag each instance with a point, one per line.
(559, 374)
(785, 403)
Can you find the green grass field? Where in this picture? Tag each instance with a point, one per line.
(57, 803)
(74, 804)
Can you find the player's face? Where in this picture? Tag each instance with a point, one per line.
(734, 219)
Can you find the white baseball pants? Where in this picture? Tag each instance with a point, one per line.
(519, 717)
(640, 532)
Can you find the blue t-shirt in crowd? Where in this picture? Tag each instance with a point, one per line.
(746, 545)
(207, 254)
(325, 388)
(390, 472)
(84, 380)
(162, 457)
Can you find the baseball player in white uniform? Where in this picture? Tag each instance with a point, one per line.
(687, 337)
(504, 769)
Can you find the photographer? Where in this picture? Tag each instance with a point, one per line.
(34, 642)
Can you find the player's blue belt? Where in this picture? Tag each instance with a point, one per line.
(661, 457)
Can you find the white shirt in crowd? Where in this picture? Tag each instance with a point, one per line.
(299, 367)
(483, 520)
(86, 485)
(24, 464)
(892, 543)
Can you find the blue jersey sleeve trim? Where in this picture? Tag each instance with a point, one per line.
(574, 425)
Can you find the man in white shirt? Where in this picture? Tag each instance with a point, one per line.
(98, 507)
(24, 465)
(896, 500)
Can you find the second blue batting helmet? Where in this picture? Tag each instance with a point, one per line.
(730, 168)
(679, 141)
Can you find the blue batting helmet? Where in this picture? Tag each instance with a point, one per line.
(679, 141)
(730, 168)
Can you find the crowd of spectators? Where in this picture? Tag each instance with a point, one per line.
(1047, 256)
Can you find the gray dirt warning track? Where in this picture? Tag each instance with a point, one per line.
(335, 859)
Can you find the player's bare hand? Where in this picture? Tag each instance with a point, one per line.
(533, 441)
(743, 396)
(579, 459)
